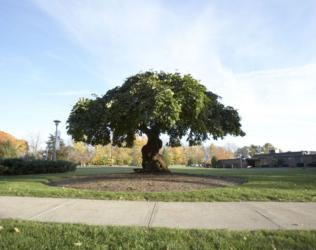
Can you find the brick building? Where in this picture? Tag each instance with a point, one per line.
(287, 159)
(232, 163)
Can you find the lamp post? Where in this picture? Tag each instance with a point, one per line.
(240, 161)
(111, 141)
(55, 142)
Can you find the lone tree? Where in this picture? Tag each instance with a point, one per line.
(153, 103)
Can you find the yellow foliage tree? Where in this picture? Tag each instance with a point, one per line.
(102, 155)
(220, 152)
(20, 146)
(135, 153)
(80, 153)
(177, 156)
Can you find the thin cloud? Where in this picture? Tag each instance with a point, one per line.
(219, 48)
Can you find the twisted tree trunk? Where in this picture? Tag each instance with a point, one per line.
(152, 160)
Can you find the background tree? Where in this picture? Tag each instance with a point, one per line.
(34, 142)
(195, 155)
(243, 152)
(232, 147)
(153, 103)
(177, 155)
(268, 147)
(7, 150)
(121, 156)
(102, 155)
(166, 156)
(80, 153)
(252, 150)
(214, 161)
(11, 144)
(136, 154)
(61, 153)
(220, 152)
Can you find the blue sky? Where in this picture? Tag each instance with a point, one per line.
(260, 56)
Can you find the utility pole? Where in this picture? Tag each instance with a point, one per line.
(55, 142)
(111, 139)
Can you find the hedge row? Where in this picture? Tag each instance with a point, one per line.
(22, 166)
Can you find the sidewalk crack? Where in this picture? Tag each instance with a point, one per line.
(268, 218)
(52, 209)
(152, 215)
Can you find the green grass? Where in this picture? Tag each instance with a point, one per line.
(261, 185)
(35, 235)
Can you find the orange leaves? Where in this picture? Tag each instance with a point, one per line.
(20, 146)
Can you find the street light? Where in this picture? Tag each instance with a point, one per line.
(240, 156)
(55, 144)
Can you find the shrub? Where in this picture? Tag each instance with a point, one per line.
(7, 150)
(214, 162)
(17, 166)
(3, 169)
(166, 156)
(312, 164)
(190, 162)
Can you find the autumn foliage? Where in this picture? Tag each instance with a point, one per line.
(19, 147)
(113, 155)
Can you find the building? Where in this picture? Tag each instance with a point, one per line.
(287, 159)
(233, 163)
(272, 159)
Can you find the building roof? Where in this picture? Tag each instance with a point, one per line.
(297, 153)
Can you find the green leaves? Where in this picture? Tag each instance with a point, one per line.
(166, 110)
(88, 122)
(153, 102)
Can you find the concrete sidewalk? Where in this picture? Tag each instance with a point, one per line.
(211, 215)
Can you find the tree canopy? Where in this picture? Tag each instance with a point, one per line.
(252, 150)
(11, 145)
(153, 103)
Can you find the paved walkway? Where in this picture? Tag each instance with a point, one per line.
(211, 215)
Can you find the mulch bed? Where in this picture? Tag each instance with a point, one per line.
(144, 182)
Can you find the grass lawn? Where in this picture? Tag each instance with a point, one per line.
(36, 235)
(261, 185)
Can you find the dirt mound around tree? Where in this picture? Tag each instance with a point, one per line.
(143, 182)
